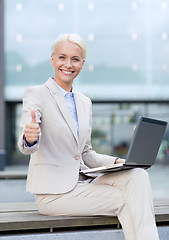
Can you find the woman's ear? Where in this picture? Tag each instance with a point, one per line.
(83, 63)
(52, 60)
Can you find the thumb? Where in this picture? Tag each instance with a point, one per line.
(33, 116)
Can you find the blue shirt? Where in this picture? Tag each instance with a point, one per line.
(70, 101)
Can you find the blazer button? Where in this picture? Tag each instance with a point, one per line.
(77, 157)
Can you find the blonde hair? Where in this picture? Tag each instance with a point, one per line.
(71, 37)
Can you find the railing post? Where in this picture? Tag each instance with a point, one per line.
(2, 102)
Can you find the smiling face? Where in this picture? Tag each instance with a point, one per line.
(67, 61)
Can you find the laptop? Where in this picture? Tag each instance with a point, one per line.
(143, 149)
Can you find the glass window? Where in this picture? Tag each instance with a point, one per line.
(128, 45)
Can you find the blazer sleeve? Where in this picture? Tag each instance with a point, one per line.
(31, 101)
(89, 156)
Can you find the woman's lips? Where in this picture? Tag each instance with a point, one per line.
(67, 72)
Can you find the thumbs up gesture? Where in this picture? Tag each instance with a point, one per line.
(33, 115)
(32, 130)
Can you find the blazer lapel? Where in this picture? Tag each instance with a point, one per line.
(62, 106)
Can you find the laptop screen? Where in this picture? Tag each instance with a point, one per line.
(146, 141)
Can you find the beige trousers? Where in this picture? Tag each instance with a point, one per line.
(125, 194)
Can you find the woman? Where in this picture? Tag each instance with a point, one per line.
(56, 123)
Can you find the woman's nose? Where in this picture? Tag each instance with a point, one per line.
(68, 63)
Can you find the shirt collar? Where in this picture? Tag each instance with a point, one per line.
(63, 91)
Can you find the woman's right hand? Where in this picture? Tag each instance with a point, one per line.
(32, 130)
(120, 160)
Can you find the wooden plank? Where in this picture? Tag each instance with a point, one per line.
(33, 220)
(162, 214)
(161, 202)
(24, 216)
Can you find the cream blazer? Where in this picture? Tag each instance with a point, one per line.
(56, 158)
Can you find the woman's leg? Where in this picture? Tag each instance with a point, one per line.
(136, 190)
(126, 194)
(85, 199)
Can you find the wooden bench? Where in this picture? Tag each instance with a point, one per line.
(24, 216)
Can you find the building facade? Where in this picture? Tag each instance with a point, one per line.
(126, 71)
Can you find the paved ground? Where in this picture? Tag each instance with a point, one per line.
(82, 235)
(77, 235)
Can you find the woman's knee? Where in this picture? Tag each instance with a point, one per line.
(139, 175)
(140, 172)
